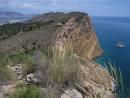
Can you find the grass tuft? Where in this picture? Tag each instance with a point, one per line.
(4, 70)
(63, 67)
(122, 90)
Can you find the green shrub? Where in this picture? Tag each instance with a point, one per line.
(27, 92)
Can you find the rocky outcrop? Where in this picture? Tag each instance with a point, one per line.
(97, 81)
(79, 30)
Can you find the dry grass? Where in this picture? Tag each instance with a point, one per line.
(61, 66)
(122, 91)
(64, 67)
(5, 74)
(116, 74)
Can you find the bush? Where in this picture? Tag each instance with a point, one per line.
(27, 92)
(25, 59)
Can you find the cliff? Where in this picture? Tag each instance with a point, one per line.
(57, 29)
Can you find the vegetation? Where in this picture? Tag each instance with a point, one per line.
(61, 66)
(23, 58)
(4, 71)
(115, 73)
(64, 67)
(9, 30)
(27, 92)
(12, 59)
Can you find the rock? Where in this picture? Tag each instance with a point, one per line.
(71, 93)
(97, 81)
(113, 86)
(31, 79)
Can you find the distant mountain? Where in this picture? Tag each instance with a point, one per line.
(11, 17)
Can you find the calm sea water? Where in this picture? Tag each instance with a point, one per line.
(109, 31)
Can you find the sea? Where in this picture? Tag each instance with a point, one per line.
(111, 30)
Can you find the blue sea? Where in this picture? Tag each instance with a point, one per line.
(111, 30)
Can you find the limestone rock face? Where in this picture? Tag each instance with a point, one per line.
(57, 28)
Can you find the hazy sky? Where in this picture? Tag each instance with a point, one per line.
(93, 7)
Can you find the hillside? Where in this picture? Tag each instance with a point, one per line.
(65, 69)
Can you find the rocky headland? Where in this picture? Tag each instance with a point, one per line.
(57, 30)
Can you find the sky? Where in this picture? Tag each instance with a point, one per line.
(92, 7)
